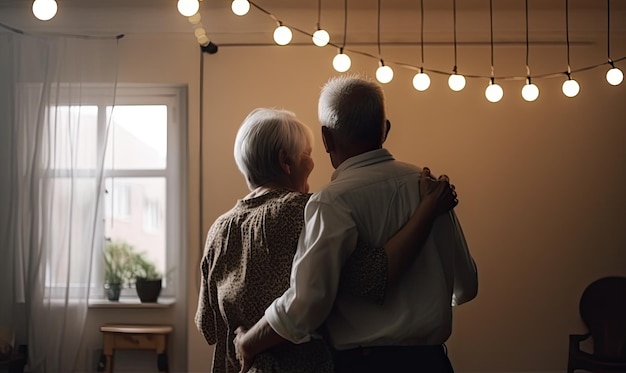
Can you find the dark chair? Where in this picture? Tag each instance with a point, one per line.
(603, 310)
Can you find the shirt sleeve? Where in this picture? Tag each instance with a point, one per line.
(327, 240)
(205, 314)
(465, 272)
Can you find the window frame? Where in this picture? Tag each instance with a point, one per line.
(175, 98)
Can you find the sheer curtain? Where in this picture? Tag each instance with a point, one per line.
(53, 131)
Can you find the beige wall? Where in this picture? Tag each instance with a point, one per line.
(540, 184)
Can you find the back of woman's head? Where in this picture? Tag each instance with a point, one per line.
(261, 137)
(354, 107)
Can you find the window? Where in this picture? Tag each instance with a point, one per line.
(152, 216)
(117, 200)
(143, 178)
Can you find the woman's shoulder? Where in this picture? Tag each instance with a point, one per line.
(295, 198)
(287, 205)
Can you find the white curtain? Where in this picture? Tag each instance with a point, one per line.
(52, 142)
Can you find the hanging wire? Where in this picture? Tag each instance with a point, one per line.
(569, 69)
(608, 32)
(422, 32)
(454, 28)
(345, 23)
(527, 45)
(491, 35)
(378, 31)
(319, 13)
(409, 66)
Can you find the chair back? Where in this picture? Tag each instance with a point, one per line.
(603, 310)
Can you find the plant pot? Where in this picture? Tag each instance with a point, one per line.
(112, 291)
(148, 290)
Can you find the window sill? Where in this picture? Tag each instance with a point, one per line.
(163, 302)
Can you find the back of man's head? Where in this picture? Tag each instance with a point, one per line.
(354, 108)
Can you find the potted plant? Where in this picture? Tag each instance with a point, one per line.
(118, 258)
(148, 280)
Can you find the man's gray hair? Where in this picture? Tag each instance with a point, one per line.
(261, 137)
(354, 107)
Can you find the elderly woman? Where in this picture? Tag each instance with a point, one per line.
(249, 250)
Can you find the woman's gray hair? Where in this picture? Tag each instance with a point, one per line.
(261, 137)
(354, 107)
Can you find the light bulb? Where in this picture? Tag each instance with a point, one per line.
(282, 35)
(342, 62)
(194, 19)
(421, 81)
(188, 7)
(240, 7)
(456, 82)
(44, 10)
(614, 76)
(203, 40)
(530, 92)
(570, 88)
(384, 74)
(321, 38)
(494, 92)
(198, 32)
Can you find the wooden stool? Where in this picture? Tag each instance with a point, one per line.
(134, 337)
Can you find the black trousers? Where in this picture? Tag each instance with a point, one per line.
(414, 359)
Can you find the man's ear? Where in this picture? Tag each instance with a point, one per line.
(283, 160)
(327, 138)
(387, 129)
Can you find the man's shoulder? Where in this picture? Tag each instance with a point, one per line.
(352, 180)
(408, 166)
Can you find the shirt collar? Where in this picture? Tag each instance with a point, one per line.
(362, 160)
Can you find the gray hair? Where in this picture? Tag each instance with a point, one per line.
(261, 137)
(354, 107)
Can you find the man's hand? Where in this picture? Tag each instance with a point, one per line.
(249, 343)
(245, 357)
(438, 194)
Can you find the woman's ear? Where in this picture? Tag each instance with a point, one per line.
(283, 160)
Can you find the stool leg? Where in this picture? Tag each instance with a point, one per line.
(162, 363)
(102, 362)
(107, 351)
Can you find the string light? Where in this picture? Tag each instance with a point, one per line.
(199, 31)
(342, 61)
(493, 92)
(421, 80)
(614, 76)
(320, 37)
(188, 7)
(570, 87)
(282, 34)
(530, 92)
(45, 10)
(240, 7)
(456, 82)
(195, 19)
(384, 74)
